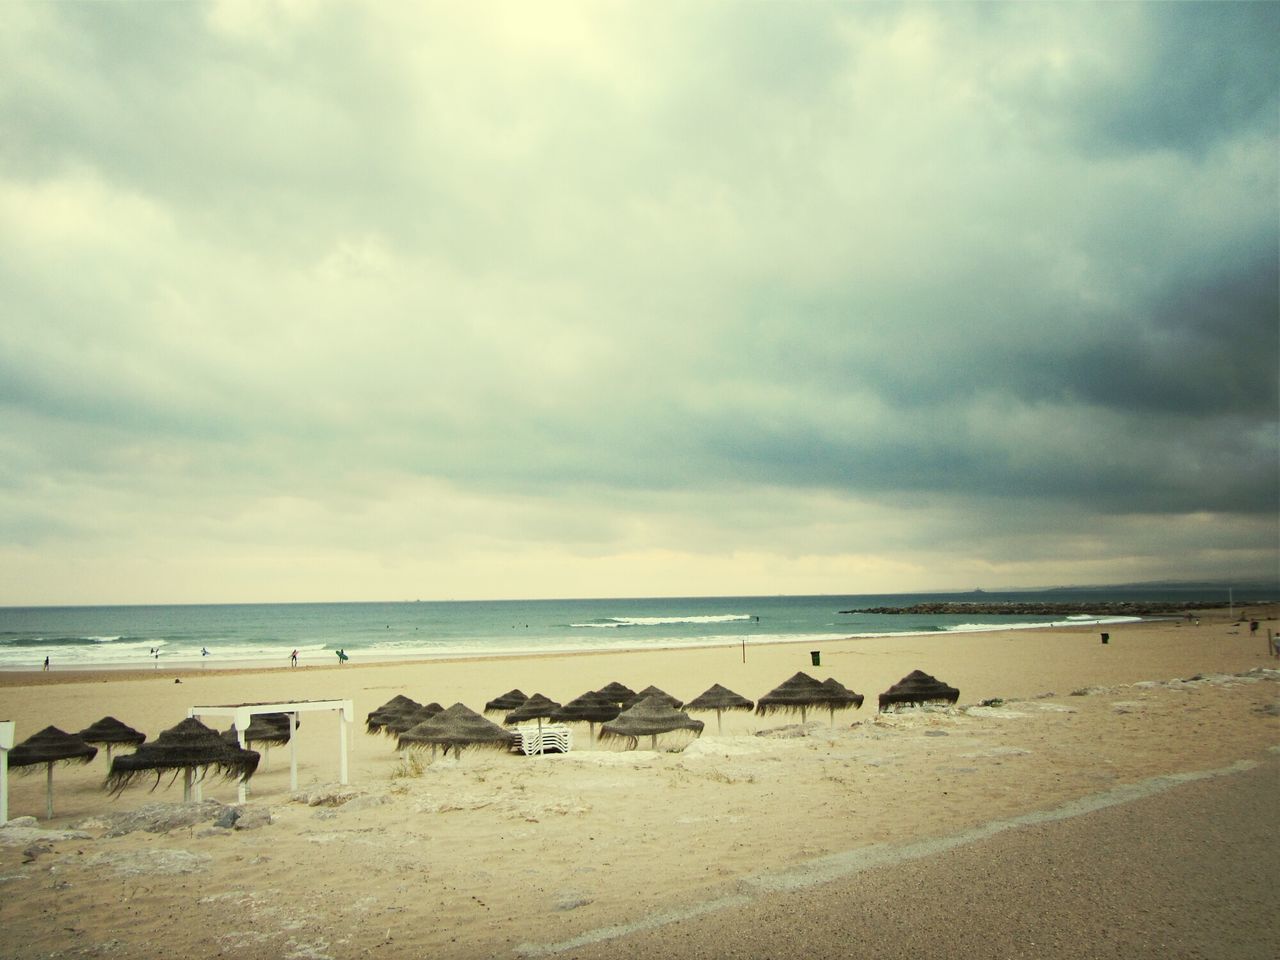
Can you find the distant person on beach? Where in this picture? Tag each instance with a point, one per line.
(342, 657)
(46, 663)
(204, 651)
(293, 659)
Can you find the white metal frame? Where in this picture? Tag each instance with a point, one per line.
(6, 744)
(242, 715)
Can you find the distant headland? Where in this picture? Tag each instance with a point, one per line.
(1113, 608)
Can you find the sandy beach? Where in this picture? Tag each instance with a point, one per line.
(1085, 815)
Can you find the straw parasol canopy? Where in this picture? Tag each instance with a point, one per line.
(719, 699)
(457, 727)
(652, 691)
(401, 722)
(187, 748)
(394, 707)
(919, 688)
(50, 746)
(110, 732)
(797, 694)
(617, 692)
(650, 717)
(841, 697)
(507, 702)
(593, 707)
(537, 707)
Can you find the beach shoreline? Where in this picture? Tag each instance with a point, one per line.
(186, 668)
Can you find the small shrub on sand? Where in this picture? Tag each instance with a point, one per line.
(409, 768)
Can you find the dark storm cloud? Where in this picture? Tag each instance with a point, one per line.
(1197, 74)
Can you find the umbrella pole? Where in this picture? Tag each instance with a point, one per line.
(108, 746)
(653, 742)
(719, 723)
(186, 785)
(802, 714)
(48, 792)
(540, 748)
(591, 726)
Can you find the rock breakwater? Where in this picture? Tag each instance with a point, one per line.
(1043, 609)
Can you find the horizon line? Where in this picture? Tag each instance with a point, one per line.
(1247, 584)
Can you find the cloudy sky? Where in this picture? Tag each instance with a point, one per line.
(319, 301)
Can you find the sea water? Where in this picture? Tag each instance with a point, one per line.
(227, 634)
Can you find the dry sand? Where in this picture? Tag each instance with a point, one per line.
(1054, 825)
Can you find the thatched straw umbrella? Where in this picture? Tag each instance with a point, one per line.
(537, 707)
(186, 748)
(397, 705)
(109, 732)
(651, 716)
(617, 692)
(842, 698)
(593, 707)
(919, 688)
(457, 727)
(797, 694)
(719, 699)
(652, 691)
(50, 746)
(410, 719)
(506, 702)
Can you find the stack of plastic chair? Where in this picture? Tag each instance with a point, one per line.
(549, 738)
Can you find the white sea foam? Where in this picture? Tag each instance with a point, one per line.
(1072, 622)
(610, 623)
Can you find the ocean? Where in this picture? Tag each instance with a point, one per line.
(238, 634)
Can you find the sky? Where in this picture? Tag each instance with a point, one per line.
(326, 301)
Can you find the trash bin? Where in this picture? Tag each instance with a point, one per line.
(816, 657)
(1106, 638)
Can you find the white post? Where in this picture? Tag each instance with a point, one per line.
(243, 719)
(342, 746)
(186, 785)
(293, 752)
(6, 744)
